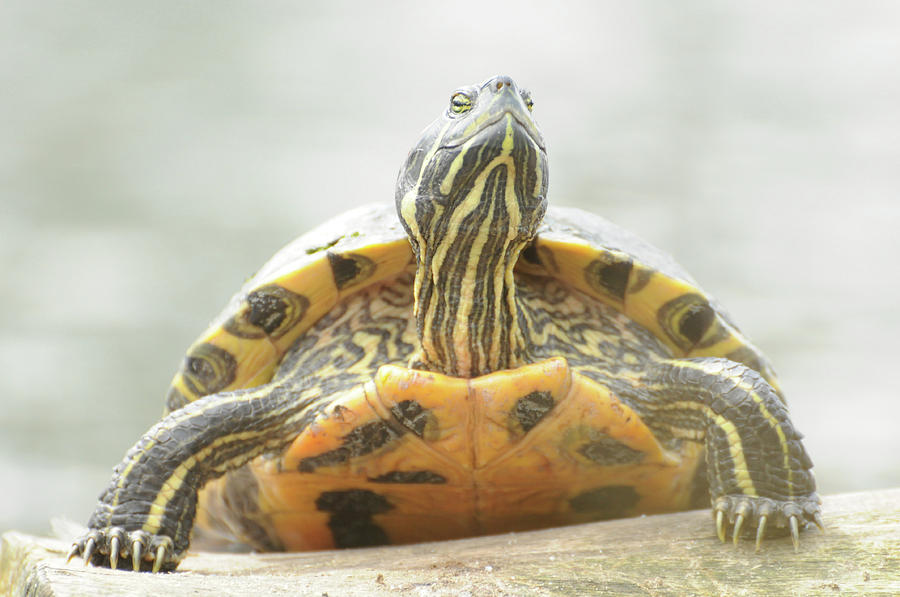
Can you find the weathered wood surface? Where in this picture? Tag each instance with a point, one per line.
(672, 554)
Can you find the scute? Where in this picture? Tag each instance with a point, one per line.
(269, 310)
(616, 267)
(414, 456)
(367, 245)
(293, 290)
(349, 253)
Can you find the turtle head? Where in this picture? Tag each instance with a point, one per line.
(479, 170)
(471, 195)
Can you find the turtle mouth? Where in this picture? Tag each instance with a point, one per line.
(524, 124)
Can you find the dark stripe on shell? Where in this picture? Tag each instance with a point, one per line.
(640, 276)
(362, 440)
(603, 503)
(370, 437)
(270, 310)
(609, 274)
(412, 416)
(686, 320)
(349, 269)
(607, 451)
(351, 521)
(208, 369)
(531, 408)
(410, 477)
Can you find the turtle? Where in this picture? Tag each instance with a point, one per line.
(461, 361)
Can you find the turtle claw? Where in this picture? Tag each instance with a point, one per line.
(738, 523)
(72, 553)
(114, 552)
(137, 549)
(89, 547)
(789, 517)
(761, 530)
(163, 552)
(106, 547)
(817, 520)
(160, 554)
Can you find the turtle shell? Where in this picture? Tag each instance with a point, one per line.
(243, 346)
(396, 455)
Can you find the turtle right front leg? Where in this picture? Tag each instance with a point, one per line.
(759, 474)
(146, 513)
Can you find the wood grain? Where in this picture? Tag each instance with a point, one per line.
(671, 554)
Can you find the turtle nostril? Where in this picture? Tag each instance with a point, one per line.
(501, 82)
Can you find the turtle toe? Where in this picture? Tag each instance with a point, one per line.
(763, 517)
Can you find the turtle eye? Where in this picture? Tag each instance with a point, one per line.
(529, 103)
(460, 103)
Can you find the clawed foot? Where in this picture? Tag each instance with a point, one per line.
(745, 512)
(105, 547)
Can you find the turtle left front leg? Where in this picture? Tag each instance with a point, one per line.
(146, 513)
(758, 470)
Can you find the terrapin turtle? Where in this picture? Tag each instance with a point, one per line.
(481, 365)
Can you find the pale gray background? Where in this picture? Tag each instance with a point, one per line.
(154, 154)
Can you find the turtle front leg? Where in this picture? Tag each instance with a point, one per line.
(758, 470)
(147, 511)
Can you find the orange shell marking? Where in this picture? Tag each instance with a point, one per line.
(465, 462)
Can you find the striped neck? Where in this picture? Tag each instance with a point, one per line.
(471, 195)
(466, 311)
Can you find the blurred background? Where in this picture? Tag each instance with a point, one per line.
(153, 155)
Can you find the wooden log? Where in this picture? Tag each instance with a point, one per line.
(670, 554)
